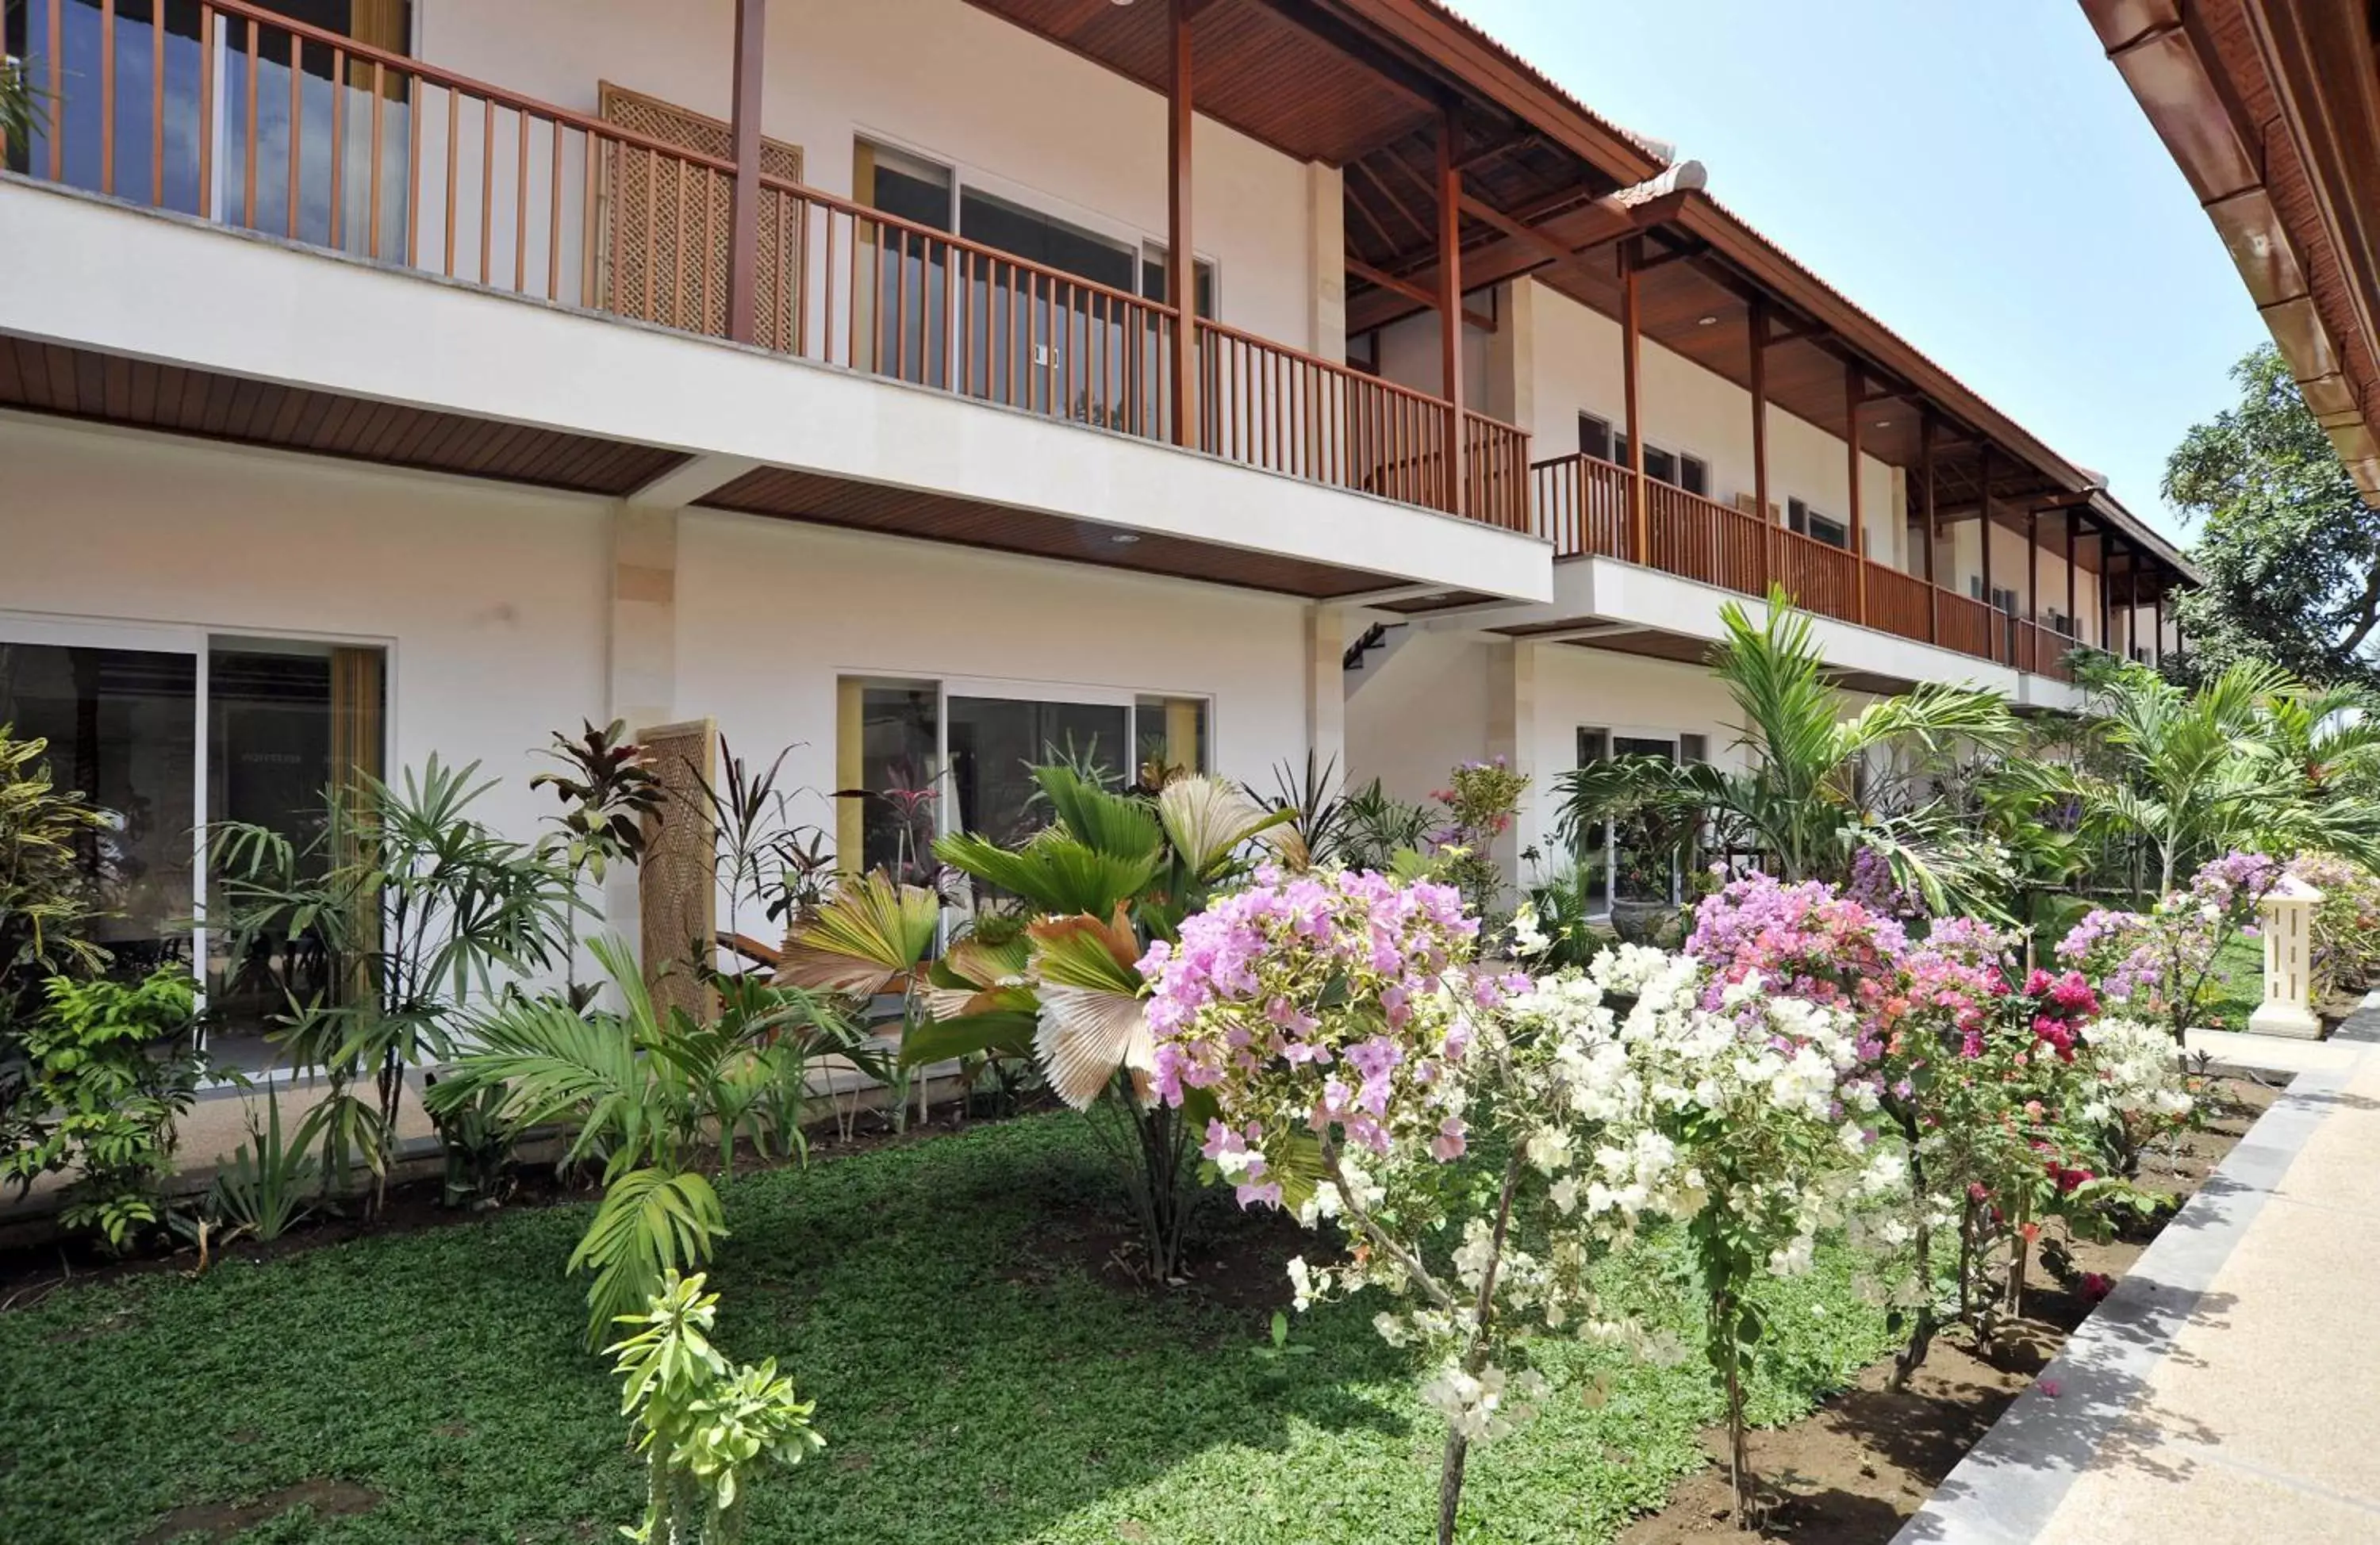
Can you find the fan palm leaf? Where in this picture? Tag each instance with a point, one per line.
(868, 937)
(1092, 1021)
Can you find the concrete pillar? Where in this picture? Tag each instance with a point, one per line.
(1512, 735)
(643, 666)
(644, 615)
(1326, 226)
(1326, 687)
(2288, 915)
(1510, 391)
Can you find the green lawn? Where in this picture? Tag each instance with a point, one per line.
(2237, 984)
(975, 1383)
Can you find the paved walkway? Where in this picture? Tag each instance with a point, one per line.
(2227, 1392)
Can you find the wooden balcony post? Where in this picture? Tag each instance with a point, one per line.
(2072, 620)
(2033, 584)
(1450, 302)
(1851, 460)
(1996, 645)
(1181, 256)
(1933, 531)
(2107, 590)
(1631, 254)
(1760, 439)
(744, 210)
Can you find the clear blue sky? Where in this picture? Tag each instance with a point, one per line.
(1977, 175)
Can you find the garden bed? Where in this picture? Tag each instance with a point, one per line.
(988, 1366)
(1854, 1470)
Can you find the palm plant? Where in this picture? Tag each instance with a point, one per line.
(1811, 796)
(1112, 872)
(2251, 759)
(653, 1096)
(396, 913)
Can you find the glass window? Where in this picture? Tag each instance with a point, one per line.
(1694, 475)
(122, 728)
(1801, 517)
(1169, 736)
(286, 722)
(282, 722)
(1595, 437)
(888, 758)
(1152, 281)
(81, 30)
(995, 744)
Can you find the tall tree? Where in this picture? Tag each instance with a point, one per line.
(2290, 552)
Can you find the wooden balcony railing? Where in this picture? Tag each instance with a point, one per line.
(1581, 504)
(239, 114)
(1265, 405)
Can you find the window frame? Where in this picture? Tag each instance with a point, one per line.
(1614, 437)
(1014, 689)
(1606, 893)
(1800, 509)
(43, 629)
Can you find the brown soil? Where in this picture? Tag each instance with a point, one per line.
(1853, 1471)
(1229, 1258)
(218, 1521)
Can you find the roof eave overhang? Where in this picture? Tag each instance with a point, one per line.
(2163, 51)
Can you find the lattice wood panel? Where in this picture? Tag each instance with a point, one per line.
(677, 887)
(666, 224)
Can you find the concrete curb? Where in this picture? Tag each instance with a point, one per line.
(2010, 1485)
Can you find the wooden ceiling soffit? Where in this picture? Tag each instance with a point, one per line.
(1431, 32)
(1557, 238)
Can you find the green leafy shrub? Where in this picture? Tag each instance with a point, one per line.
(111, 1066)
(704, 1427)
(267, 1186)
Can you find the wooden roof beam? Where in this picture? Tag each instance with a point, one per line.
(1584, 229)
(1412, 291)
(1422, 87)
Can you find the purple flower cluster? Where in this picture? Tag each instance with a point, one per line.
(1321, 1000)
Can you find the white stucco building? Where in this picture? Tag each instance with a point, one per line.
(381, 379)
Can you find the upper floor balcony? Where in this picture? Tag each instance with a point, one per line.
(346, 141)
(1372, 180)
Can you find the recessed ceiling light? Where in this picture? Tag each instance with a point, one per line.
(1706, 321)
(1123, 539)
(1883, 423)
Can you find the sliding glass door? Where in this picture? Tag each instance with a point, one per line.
(165, 729)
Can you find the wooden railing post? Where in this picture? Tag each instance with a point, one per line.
(744, 214)
(1760, 437)
(1852, 461)
(1181, 257)
(1933, 531)
(1450, 302)
(1632, 255)
(1996, 640)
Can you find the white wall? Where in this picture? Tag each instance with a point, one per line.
(489, 599)
(1019, 116)
(771, 612)
(1575, 364)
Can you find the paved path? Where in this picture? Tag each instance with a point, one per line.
(2228, 1392)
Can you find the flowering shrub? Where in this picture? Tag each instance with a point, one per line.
(2140, 1094)
(2346, 922)
(1750, 1118)
(1349, 1046)
(2160, 965)
(1481, 799)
